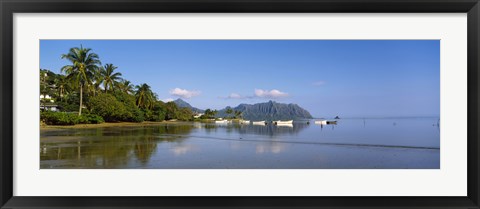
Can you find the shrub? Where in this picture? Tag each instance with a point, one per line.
(59, 118)
(184, 114)
(159, 110)
(154, 115)
(69, 103)
(90, 119)
(108, 107)
(132, 113)
(63, 118)
(137, 116)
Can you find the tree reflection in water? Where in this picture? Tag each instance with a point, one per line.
(105, 147)
(130, 147)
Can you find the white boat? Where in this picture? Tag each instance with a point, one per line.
(325, 122)
(285, 125)
(258, 122)
(279, 122)
(244, 121)
(221, 121)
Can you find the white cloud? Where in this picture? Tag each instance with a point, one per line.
(184, 93)
(274, 93)
(318, 83)
(167, 100)
(271, 94)
(235, 96)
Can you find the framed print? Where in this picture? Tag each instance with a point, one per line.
(264, 104)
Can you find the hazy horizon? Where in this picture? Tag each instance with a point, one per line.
(381, 78)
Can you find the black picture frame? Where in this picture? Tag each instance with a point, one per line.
(9, 7)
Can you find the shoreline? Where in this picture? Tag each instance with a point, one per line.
(110, 124)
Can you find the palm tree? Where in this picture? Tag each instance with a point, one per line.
(97, 80)
(62, 85)
(84, 64)
(126, 87)
(110, 79)
(145, 96)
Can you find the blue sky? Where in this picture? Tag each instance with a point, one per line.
(378, 78)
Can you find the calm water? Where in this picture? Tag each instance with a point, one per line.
(352, 143)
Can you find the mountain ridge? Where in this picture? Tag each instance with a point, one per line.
(270, 110)
(181, 103)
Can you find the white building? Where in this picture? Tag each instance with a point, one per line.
(44, 105)
(198, 115)
(46, 98)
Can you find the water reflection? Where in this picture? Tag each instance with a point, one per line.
(274, 130)
(105, 147)
(395, 143)
(182, 149)
(273, 147)
(322, 126)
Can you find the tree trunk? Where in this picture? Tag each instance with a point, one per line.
(81, 98)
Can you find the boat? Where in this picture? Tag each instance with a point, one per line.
(279, 122)
(259, 122)
(244, 121)
(285, 125)
(222, 121)
(325, 122)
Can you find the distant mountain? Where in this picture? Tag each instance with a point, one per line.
(181, 103)
(269, 111)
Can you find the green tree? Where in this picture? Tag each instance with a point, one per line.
(62, 85)
(184, 114)
(83, 64)
(145, 96)
(126, 87)
(97, 81)
(229, 111)
(107, 106)
(133, 114)
(171, 110)
(110, 78)
(238, 114)
(207, 114)
(159, 111)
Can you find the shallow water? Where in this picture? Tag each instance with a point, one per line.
(351, 144)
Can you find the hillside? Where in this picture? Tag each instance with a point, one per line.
(269, 111)
(182, 103)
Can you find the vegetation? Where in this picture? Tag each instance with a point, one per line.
(269, 111)
(145, 97)
(80, 72)
(229, 111)
(209, 114)
(110, 79)
(101, 94)
(63, 118)
(107, 106)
